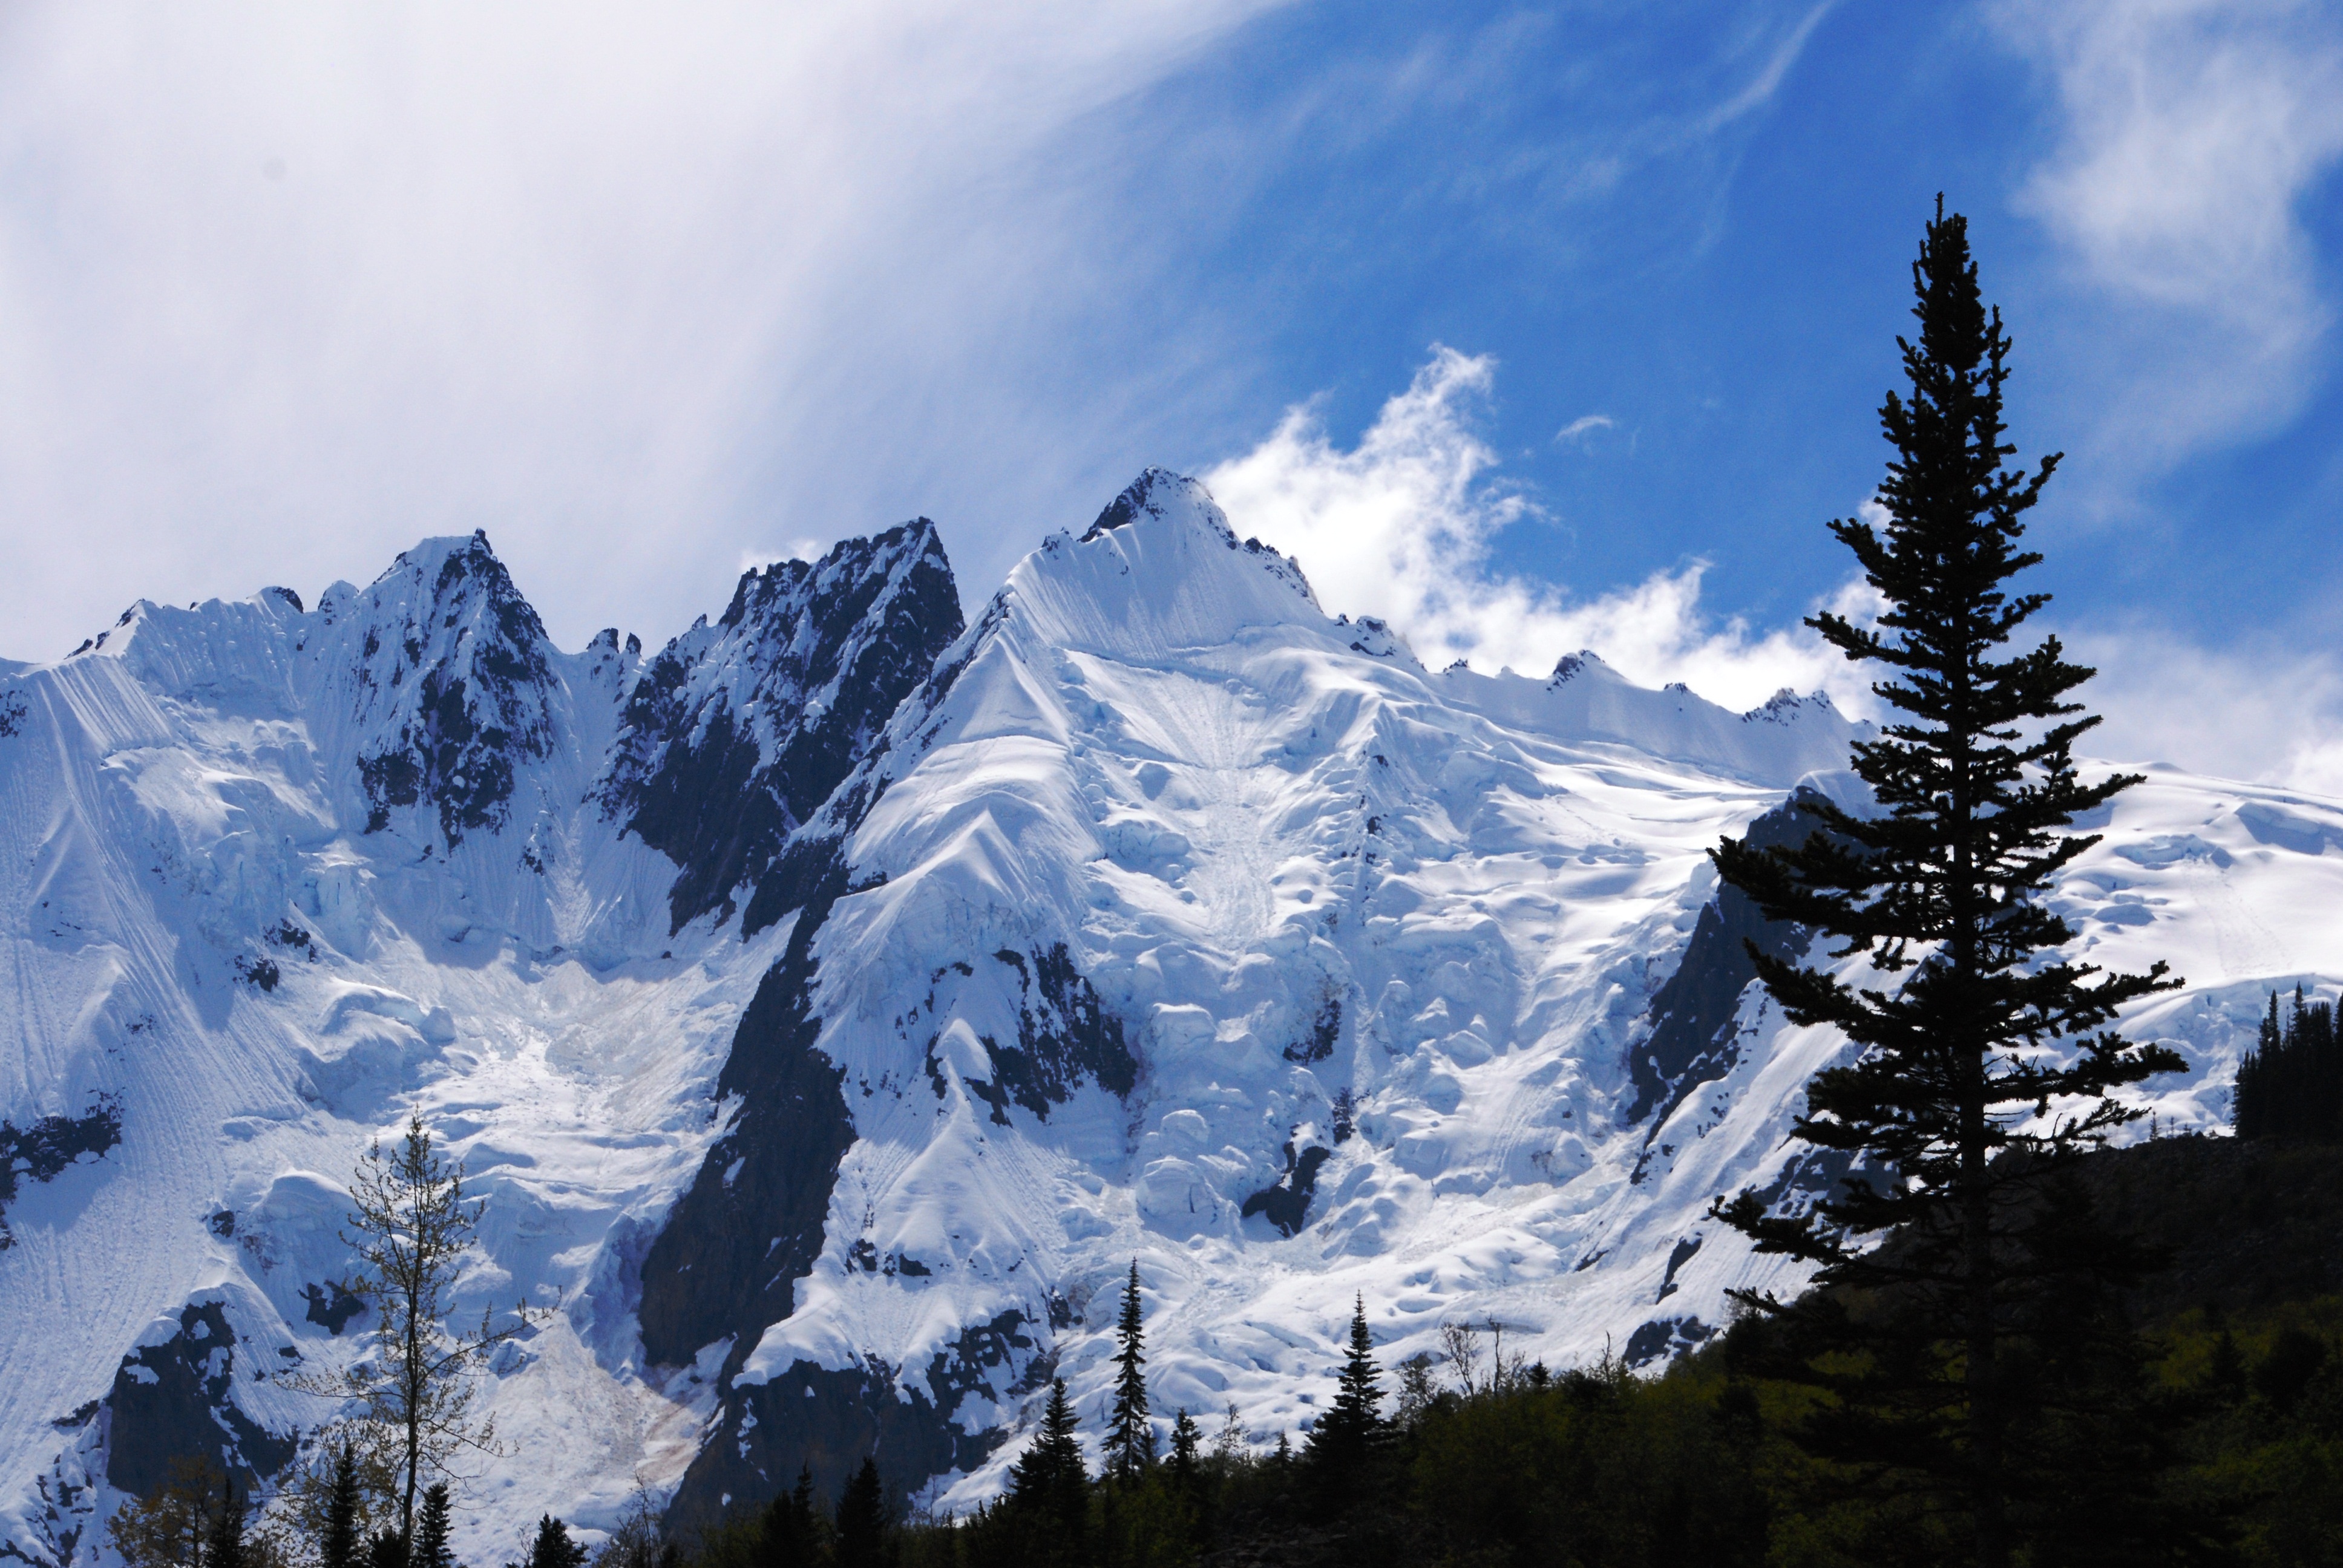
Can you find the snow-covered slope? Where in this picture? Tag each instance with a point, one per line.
(834, 1004)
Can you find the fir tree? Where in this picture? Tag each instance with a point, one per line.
(553, 1547)
(1187, 1443)
(386, 1549)
(1958, 1118)
(1349, 1432)
(792, 1536)
(2290, 1085)
(1359, 1390)
(228, 1549)
(1130, 1435)
(862, 1518)
(431, 1530)
(338, 1546)
(1048, 1489)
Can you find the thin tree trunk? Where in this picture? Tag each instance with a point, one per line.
(1970, 1063)
(414, 1381)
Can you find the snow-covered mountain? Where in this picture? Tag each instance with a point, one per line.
(832, 1005)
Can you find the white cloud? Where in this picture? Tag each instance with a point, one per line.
(2194, 131)
(1401, 527)
(284, 287)
(2259, 712)
(1585, 425)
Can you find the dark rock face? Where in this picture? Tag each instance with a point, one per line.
(331, 1306)
(1285, 1202)
(829, 1420)
(1664, 1337)
(752, 1225)
(456, 691)
(172, 1401)
(1692, 1040)
(41, 1153)
(1325, 1029)
(735, 734)
(1063, 1035)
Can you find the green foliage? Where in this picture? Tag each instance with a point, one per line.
(171, 1527)
(1130, 1434)
(386, 1549)
(553, 1547)
(1346, 1445)
(1953, 1358)
(2292, 1084)
(338, 1544)
(431, 1549)
(863, 1518)
(1045, 1518)
(1601, 1467)
(227, 1532)
(1598, 1467)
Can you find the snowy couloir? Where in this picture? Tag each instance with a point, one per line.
(833, 1004)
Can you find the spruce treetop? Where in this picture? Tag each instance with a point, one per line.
(1982, 1061)
(1130, 1435)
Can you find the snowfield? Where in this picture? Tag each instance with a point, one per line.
(831, 1006)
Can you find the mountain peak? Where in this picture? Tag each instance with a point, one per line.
(1160, 570)
(735, 733)
(453, 687)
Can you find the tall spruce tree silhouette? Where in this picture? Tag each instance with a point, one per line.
(862, 1518)
(1049, 1491)
(1347, 1435)
(339, 1544)
(1984, 1064)
(1130, 1434)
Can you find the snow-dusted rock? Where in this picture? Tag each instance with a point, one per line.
(832, 1005)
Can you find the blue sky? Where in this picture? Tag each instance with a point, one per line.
(281, 291)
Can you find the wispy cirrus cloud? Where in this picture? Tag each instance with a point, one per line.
(2191, 134)
(283, 288)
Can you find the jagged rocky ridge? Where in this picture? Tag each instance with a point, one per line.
(833, 1004)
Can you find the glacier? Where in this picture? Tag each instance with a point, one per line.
(833, 1004)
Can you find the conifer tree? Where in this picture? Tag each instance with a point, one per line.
(862, 1518)
(431, 1549)
(1360, 1391)
(2292, 1084)
(553, 1547)
(338, 1547)
(1187, 1442)
(1048, 1488)
(1130, 1435)
(1349, 1431)
(792, 1537)
(386, 1549)
(227, 1532)
(1985, 1063)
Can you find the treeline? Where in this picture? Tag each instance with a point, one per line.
(2290, 1085)
(1483, 1460)
(2232, 1452)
